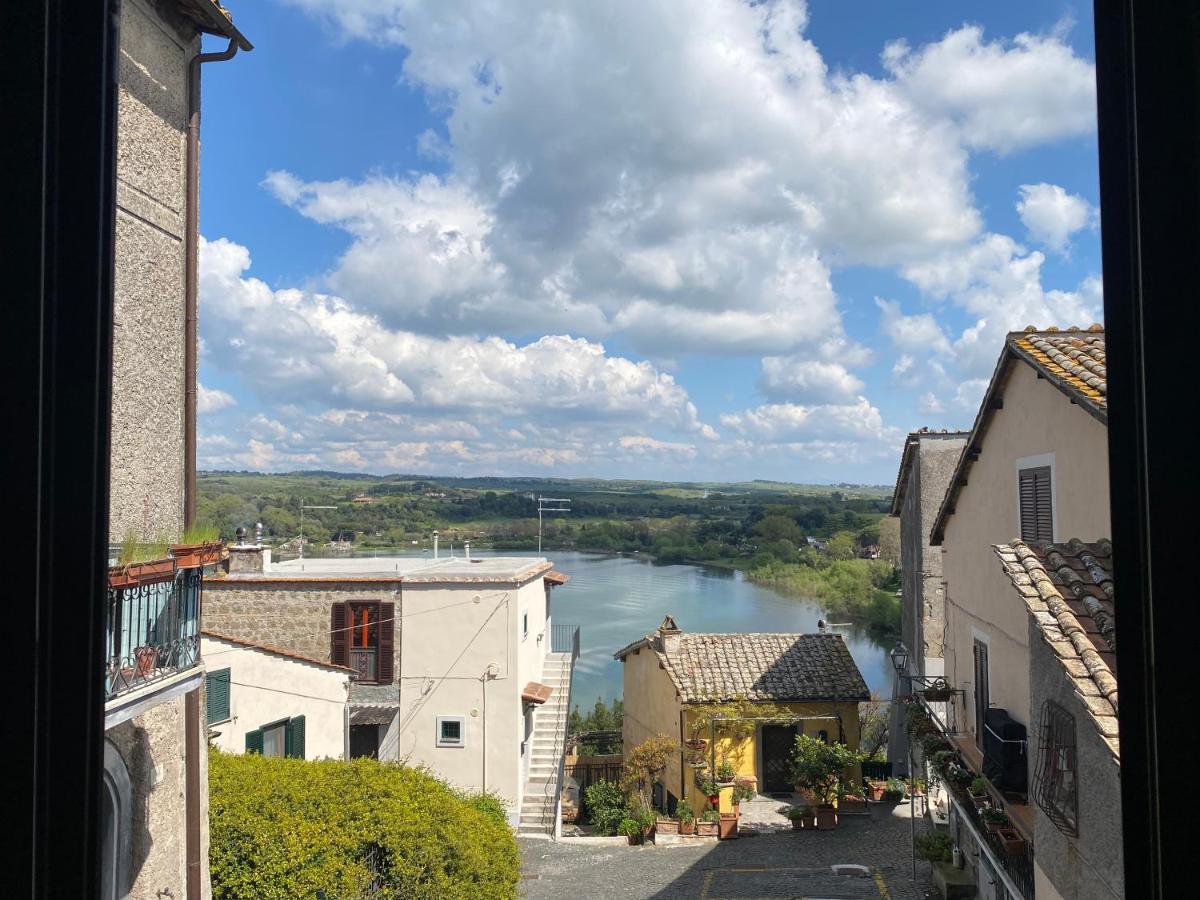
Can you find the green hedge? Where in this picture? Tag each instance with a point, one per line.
(287, 828)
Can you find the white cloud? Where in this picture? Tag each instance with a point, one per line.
(920, 333)
(210, 400)
(641, 444)
(1051, 215)
(779, 422)
(812, 381)
(1003, 95)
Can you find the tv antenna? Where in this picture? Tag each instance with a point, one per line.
(550, 505)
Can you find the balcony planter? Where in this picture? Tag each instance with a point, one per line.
(146, 658)
(994, 820)
(727, 826)
(1011, 841)
(937, 692)
(141, 573)
(192, 556)
(826, 818)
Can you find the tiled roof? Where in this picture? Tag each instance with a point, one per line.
(719, 667)
(277, 651)
(1073, 361)
(1068, 589)
(534, 692)
(366, 694)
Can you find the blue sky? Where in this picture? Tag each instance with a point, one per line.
(760, 240)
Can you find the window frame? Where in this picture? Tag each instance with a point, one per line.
(439, 737)
(282, 725)
(1039, 461)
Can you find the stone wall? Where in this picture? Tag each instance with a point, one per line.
(290, 615)
(1090, 864)
(147, 466)
(152, 746)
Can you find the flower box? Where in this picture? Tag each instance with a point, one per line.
(826, 818)
(1011, 841)
(706, 829)
(192, 556)
(667, 826)
(141, 573)
(875, 789)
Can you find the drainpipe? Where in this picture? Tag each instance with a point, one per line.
(191, 284)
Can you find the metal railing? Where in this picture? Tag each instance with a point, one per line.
(152, 631)
(565, 639)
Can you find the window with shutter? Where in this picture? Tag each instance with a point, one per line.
(983, 697)
(216, 685)
(338, 638)
(294, 738)
(387, 643)
(1037, 505)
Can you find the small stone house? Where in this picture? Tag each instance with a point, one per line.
(670, 675)
(1067, 589)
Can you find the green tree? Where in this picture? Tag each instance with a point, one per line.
(842, 546)
(779, 528)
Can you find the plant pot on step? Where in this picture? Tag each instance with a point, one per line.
(727, 826)
(706, 829)
(667, 826)
(688, 827)
(876, 789)
(826, 818)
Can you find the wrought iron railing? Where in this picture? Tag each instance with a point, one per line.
(152, 631)
(1016, 864)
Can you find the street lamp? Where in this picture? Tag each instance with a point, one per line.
(899, 657)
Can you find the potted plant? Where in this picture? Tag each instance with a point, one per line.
(893, 791)
(978, 792)
(726, 773)
(744, 789)
(200, 546)
(935, 847)
(994, 820)
(1010, 840)
(706, 825)
(916, 787)
(141, 563)
(875, 789)
(801, 817)
(826, 817)
(727, 826)
(146, 658)
(818, 767)
(632, 829)
(710, 789)
(687, 818)
(648, 819)
(938, 691)
(666, 825)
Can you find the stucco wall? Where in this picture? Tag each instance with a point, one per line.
(1036, 419)
(651, 707)
(265, 687)
(923, 601)
(152, 746)
(1089, 865)
(292, 615)
(146, 475)
(449, 639)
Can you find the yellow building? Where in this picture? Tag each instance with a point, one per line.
(673, 679)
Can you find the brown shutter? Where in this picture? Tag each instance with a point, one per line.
(338, 635)
(1037, 508)
(387, 642)
(1028, 487)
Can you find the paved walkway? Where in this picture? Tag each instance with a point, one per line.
(776, 864)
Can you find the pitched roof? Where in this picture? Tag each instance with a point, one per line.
(211, 17)
(911, 442)
(720, 667)
(277, 651)
(1068, 589)
(1073, 361)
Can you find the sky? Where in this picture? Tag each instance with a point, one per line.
(717, 240)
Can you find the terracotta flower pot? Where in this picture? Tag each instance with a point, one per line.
(877, 788)
(667, 826)
(706, 829)
(797, 824)
(1011, 841)
(687, 827)
(826, 818)
(145, 657)
(727, 826)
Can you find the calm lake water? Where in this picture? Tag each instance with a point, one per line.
(617, 599)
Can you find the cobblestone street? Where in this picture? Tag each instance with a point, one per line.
(769, 865)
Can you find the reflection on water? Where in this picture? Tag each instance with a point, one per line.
(617, 600)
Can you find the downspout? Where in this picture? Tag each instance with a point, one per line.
(191, 284)
(192, 748)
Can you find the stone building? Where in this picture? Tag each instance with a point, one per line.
(155, 840)
(456, 663)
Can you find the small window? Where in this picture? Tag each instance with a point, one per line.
(524, 625)
(1037, 505)
(216, 687)
(450, 731)
(274, 739)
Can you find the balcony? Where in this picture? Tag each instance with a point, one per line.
(152, 630)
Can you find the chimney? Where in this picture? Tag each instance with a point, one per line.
(669, 635)
(240, 534)
(435, 537)
(249, 559)
(467, 549)
(258, 530)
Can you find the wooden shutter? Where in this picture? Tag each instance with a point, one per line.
(338, 635)
(385, 666)
(254, 741)
(216, 686)
(982, 689)
(293, 738)
(1037, 507)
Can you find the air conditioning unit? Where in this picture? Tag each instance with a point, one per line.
(1004, 752)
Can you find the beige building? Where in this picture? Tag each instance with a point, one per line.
(1035, 467)
(455, 662)
(155, 841)
(275, 702)
(670, 676)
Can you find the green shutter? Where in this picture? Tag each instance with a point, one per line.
(293, 740)
(254, 741)
(217, 688)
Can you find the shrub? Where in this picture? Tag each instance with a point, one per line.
(725, 771)
(284, 828)
(819, 767)
(935, 847)
(631, 828)
(606, 807)
(684, 811)
(743, 790)
(644, 762)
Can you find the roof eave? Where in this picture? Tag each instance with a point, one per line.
(211, 20)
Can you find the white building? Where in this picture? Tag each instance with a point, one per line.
(273, 701)
(456, 663)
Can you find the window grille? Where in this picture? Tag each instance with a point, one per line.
(1055, 783)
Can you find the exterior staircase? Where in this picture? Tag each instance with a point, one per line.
(540, 812)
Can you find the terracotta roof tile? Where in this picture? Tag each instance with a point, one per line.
(719, 667)
(277, 651)
(1076, 613)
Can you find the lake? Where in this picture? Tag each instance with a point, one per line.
(618, 599)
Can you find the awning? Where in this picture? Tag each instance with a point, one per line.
(372, 715)
(536, 693)
(557, 577)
